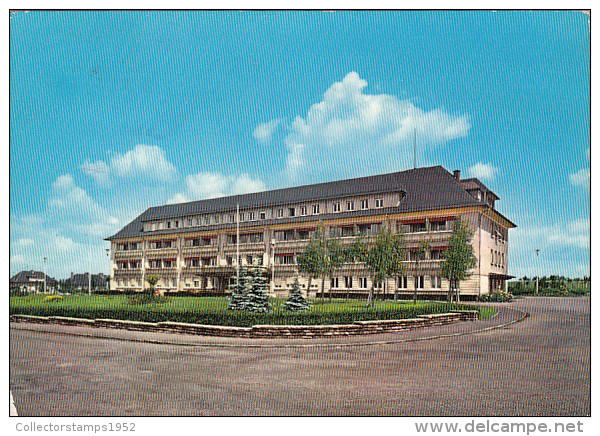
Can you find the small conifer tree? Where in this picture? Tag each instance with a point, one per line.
(257, 285)
(239, 298)
(296, 301)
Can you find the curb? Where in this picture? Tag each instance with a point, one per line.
(338, 345)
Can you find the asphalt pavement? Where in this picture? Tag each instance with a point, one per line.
(506, 366)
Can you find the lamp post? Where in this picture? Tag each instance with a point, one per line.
(273, 265)
(537, 278)
(109, 272)
(44, 274)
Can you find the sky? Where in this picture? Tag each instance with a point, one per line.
(114, 112)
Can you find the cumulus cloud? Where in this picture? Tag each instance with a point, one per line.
(357, 127)
(581, 178)
(210, 185)
(483, 171)
(572, 234)
(25, 242)
(148, 161)
(264, 132)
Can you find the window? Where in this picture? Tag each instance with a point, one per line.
(153, 227)
(335, 282)
(379, 202)
(206, 219)
(347, 231)
(168, 224)
(251, 216)
(417, 227)
(303, 210)
(437, 226)
(263, 215)
(242, 218)
(305, 233)
(362, 282)
(315, 209)
(168, 264)
(161, 226)
(229, 260)
(216, 219)
(285, 259)
(279, 213)
(189, 222)
(337, 207)
(437, 254)
(348, 282)
(403, 282)
(195, 263)
(248, 260)
(231, 217)
(176, 224)
(364, 204)
(350, 205)
(419, 281)
(292, 211)
(492, 257)
(436, 282)
(502, 259)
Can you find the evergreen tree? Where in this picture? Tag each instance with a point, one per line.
(296, 300)
(239, 298)
(257, 288)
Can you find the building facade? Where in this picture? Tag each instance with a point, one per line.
(193, 246)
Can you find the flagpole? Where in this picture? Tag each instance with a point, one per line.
(237, 244)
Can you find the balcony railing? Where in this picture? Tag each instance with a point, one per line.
(128, 253)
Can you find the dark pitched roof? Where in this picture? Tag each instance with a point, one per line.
(27, 276)
(474, 183)
(427, 188)
(83, 280)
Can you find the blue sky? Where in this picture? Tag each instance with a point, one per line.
(114, 112)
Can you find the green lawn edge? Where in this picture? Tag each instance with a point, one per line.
(213, 310)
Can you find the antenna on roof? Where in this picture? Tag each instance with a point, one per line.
(415, 148)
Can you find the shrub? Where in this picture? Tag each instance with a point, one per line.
(498, 297)
(51, 298)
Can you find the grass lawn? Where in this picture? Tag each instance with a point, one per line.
(213, 310)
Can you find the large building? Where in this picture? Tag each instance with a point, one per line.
(192, 246)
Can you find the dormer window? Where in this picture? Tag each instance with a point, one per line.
(364, 204)
(337, 206)
(379, 203)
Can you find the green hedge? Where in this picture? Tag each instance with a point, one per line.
(217, 316)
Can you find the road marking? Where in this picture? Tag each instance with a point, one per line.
(13, 408)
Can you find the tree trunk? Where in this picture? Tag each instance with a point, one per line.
(308, 287)
(370, 298)
(322, 288)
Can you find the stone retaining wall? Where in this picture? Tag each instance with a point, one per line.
(263, 331)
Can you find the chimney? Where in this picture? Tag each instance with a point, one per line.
(457, 175)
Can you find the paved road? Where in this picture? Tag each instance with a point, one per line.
(539, 366)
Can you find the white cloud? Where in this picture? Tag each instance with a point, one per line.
(68, 231)
(361, 129)
(264, 132)
(483, 171)
(147, 161)
(581, 178)
(210, 185)
(572, 234)
(99, 170)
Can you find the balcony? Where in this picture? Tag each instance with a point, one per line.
(442, 236)
(161, 252)
(128, 254)
(202, 249)
(246, 246)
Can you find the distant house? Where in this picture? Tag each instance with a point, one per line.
(81, 282)
(32, 281)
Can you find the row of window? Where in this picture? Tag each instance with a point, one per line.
(497, 258)
(247, 216)
(418, 282)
